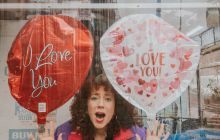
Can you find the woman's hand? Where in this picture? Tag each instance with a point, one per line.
(46, 135)
(154, 135)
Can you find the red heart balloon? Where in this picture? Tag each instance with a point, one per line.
(48, 62)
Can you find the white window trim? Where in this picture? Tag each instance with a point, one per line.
(82, 5)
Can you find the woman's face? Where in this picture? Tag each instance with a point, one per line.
(101, 107)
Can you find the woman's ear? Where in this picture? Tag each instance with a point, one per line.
(116, 117)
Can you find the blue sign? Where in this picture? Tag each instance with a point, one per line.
(196, 135)
(22, 134)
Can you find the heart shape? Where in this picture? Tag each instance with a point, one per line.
(188, 54)
(173, 65)
(127, 51)
(48, 62)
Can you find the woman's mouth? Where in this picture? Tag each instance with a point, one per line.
(100, 117)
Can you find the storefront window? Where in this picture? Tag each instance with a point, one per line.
(194, 115)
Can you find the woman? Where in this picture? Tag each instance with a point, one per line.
(99, 113)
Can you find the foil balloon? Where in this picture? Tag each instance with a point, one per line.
(148, 61)
(48, 62)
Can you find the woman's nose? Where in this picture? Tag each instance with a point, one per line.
(101, 103)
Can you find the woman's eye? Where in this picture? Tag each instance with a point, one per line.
(108, 99)
(94, 98)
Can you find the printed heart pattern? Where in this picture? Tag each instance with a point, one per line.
(147, 61)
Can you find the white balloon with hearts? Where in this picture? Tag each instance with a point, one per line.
(148, 61)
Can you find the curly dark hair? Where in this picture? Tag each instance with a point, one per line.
(125, 114)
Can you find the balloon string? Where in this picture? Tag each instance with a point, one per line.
(148, 126)
(150, 123)
(41, 128)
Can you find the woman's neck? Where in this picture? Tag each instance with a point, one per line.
(100, 134)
